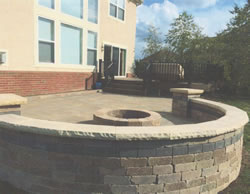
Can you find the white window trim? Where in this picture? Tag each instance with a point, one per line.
(98, 5)
(48, 41)
(93, 49)
(75, 17)
(82, 46)
(117, 6)
(120, 47)
(54, 1)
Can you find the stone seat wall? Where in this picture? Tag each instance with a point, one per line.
(54, 157)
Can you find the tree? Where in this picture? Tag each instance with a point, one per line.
(153, 42)
(183, 36)
(235, 54)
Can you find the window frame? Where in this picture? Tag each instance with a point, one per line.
(53, 5)
(117, 10)
(82, 11)
(81, 44)
(97, 16)
(92, 49)
(4, 54)
(120, 47)
(53, 42)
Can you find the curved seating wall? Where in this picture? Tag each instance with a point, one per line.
(53, 157)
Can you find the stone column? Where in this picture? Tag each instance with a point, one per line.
(181, 96)
(11, 104)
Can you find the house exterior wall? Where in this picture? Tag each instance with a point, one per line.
(119, 33)
(16, 33)
(19, 39)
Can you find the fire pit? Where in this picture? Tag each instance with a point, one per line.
(127, 117)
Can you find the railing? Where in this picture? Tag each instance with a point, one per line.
(161, 73)
(167, 71)
(164, 71)
(91, 81)
(203, 73)
(106, 71)
(175, 72)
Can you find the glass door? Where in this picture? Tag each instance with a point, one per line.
(117, 56)
(116, 61)
(107, 56)
(122, 62)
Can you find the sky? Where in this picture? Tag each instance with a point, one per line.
(211, 15)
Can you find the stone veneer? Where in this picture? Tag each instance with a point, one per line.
(181, 100)
(53, 157)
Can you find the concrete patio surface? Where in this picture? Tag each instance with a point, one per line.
(79, 107)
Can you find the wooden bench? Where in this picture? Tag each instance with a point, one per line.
(11, 104)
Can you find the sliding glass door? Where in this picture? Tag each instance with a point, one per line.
(116, 60)
(123, 62)
(117, 56)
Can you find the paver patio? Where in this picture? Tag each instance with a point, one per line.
(79, 107)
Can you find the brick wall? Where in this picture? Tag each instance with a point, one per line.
(29, 83)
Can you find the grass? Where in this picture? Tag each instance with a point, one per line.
(242, 184)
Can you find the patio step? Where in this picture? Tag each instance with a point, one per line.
(125, 86)
(123, 91)
(129, 81)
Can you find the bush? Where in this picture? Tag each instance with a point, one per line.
(139, 69)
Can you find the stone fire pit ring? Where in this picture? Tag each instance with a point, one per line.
(127, 117)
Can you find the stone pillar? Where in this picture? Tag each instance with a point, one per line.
(11, 104)
(181, 96)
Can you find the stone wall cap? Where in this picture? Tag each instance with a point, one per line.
(187, 91)
(233, 120)
(11, 99)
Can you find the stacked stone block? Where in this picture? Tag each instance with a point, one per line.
(58, 161)
(181, 99)
(43, 164)
(119, 117)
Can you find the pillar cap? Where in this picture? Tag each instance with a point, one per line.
(11, 99)
(187, 91)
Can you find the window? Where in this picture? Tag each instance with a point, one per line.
(71, 45)
(47, 3)
(117, 9)
(74, 8)
(46, 41)
(92, 48)
(3, 57)
(93, 11)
